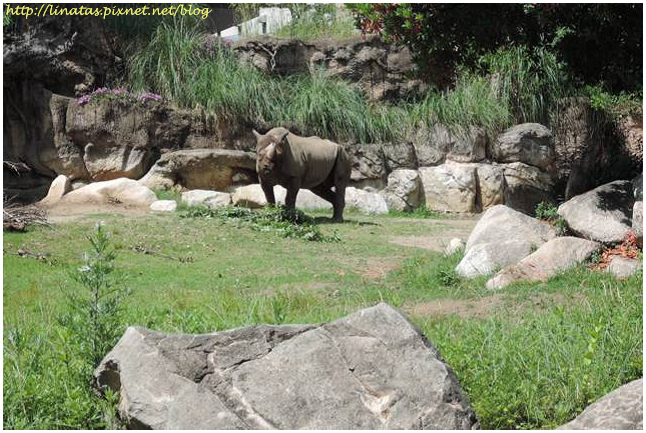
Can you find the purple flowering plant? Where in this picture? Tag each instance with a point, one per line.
(119, 94)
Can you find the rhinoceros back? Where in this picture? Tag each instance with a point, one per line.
(310, 158)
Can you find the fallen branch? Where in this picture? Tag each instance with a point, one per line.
(16, 217)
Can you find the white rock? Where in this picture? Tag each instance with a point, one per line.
(253, 197)
(454, 245)
(365, 202)
(552, 257)
(404, 189)
(201, 197)
(622, 267)
(122, 190)
(502, 237)
(603, 214)
(450, 187)
(59, 187)
(164, 206)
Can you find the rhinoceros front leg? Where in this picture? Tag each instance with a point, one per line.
(268, 189)
(293, 186)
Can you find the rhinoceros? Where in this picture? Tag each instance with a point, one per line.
(295, 162)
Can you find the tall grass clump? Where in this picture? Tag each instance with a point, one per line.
(528, 82)
(473, 101)
(166, 64)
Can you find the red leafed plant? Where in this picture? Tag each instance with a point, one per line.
(627, 249)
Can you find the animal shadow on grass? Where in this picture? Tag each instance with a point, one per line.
(329, 220)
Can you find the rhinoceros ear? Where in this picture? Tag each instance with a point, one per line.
(281, 141)
(256, 134)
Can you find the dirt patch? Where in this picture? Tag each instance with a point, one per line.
(443, 231)
(488, 306)
(375, 268)
(62, 212)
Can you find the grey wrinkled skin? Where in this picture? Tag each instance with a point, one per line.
(295, 162)
(370, 370)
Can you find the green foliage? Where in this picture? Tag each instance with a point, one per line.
(529, 82)
(288, 223)
(421, 212)
(168, 194)
(614, 104)
(546, 211)
(6, 18)
(49, 365)
(599, 43)
(166, 62)
(93, 316)
(549, 212)
(473, 101)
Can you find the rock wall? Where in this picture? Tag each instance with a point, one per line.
(383, 71)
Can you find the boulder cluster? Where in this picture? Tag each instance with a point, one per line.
(516, 247)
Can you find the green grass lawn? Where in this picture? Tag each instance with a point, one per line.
(534, 358)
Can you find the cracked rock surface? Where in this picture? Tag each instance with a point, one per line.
(369, 370)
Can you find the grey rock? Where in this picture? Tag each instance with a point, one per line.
(603, 214)
(450, 187)
(526, 186)
(399, 156)
(622, 267)
(529, 143)
(365, 202)
(502, 237)
(368, 165)
(621, 409)
(438, 143)
(552, 257)
(638, 187)
(404, 190)
(490, 185)
(638, 222)
(501, 223)
(164, 206)
(211, 199)
(212, 169)
(370, 370)
(484, 259)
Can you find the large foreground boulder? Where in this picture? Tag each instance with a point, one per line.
(116, 191)
(502, 237)
(370, 370)
(603, 214)
(552, 257)
(622, 409)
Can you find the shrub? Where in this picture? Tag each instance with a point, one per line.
(289, 223)
(549, 212)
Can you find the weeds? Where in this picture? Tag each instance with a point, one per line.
(549, 212)
(288, 223)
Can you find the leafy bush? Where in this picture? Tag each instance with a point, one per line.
(289, 223)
